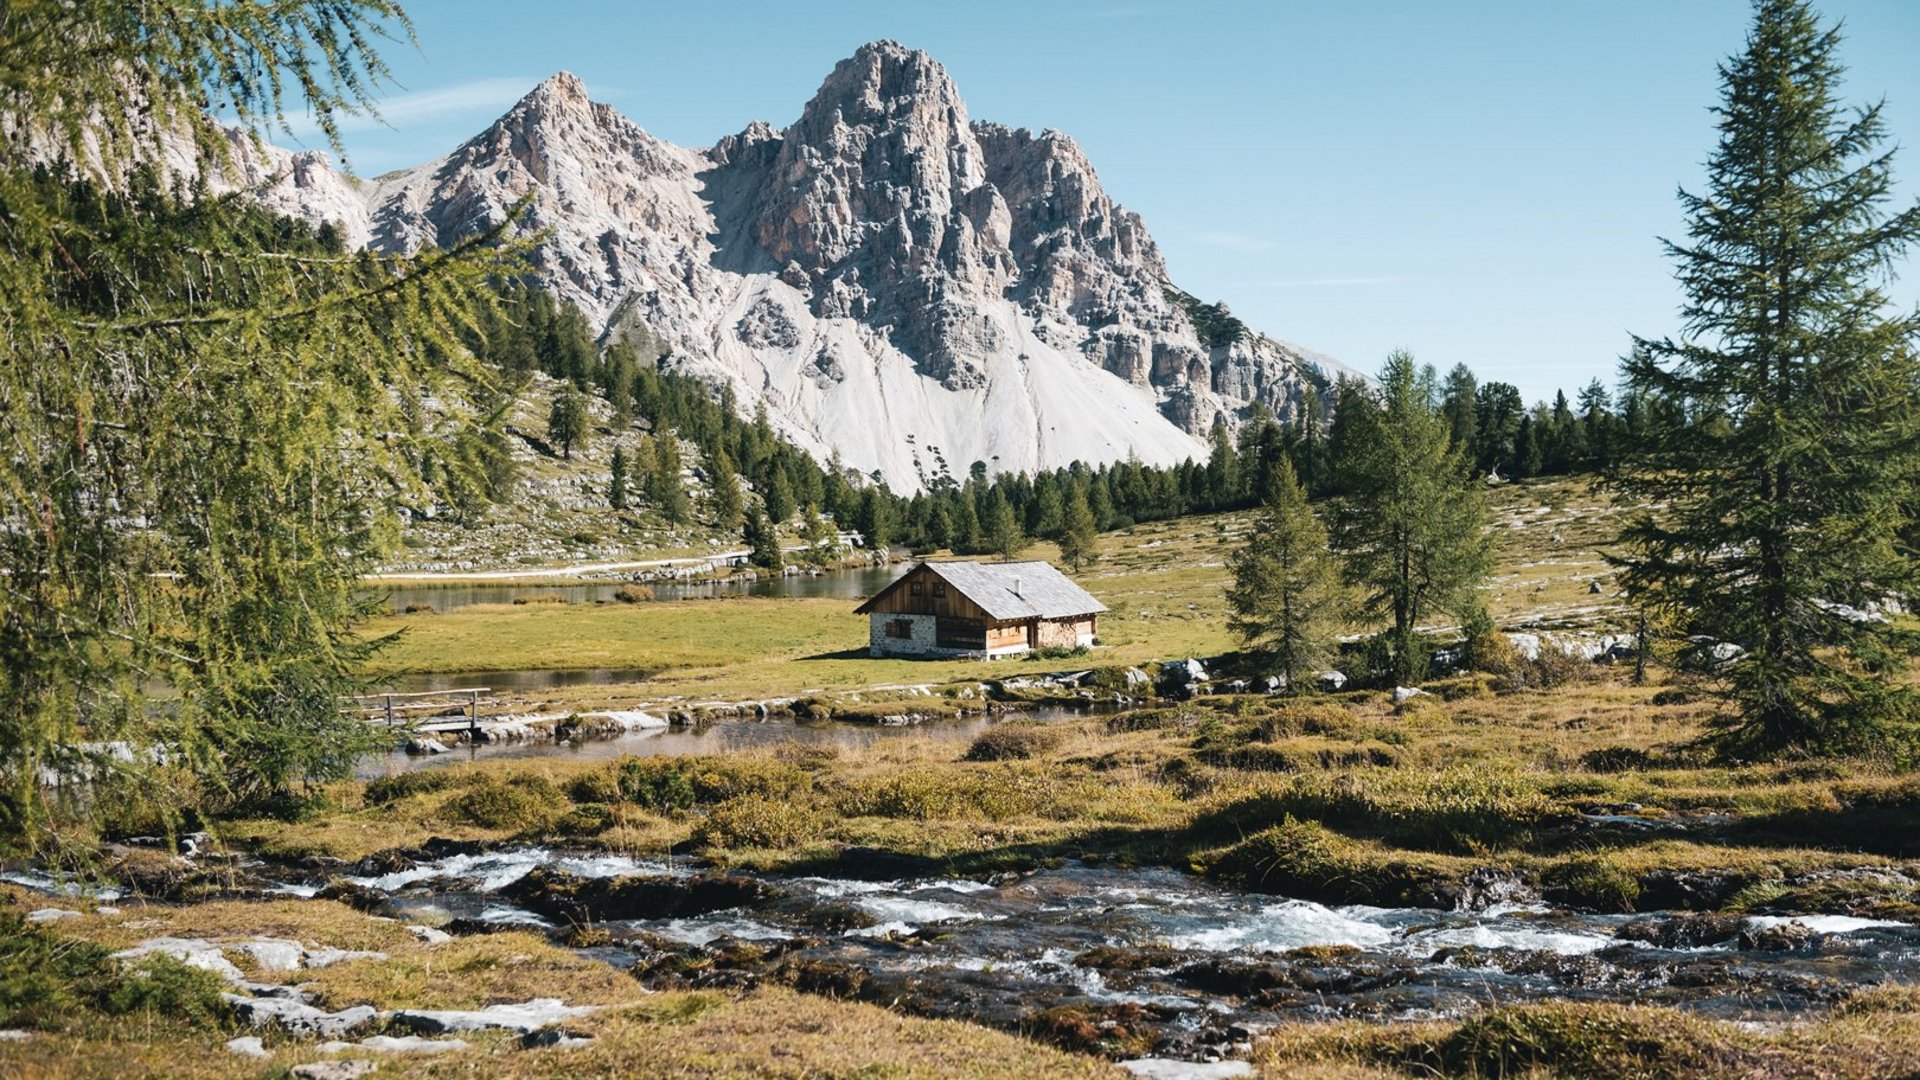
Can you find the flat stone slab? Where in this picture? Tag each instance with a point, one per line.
(389, 1044)
(523, 1018)
(1174, 1069)
(298, 1017)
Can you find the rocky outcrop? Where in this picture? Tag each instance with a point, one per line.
(897, 283)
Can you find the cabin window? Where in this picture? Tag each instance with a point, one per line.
(939, 591)
(916, 588)
(899, 628)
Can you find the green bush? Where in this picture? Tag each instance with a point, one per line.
(51, 983)
(755, 821)
(1060, 652)
(1580, 1042)
(1595, 882)
(389, 789)
(997, 794)
(527, 803)
(1310, 718)
(657, 784)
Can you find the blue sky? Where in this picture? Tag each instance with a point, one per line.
(1480, 181)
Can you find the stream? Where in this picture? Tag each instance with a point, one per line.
(1177, 965)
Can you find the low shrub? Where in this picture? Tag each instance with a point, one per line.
(525, 804)
(51, 982)
(631, 593)
(1578, 1041)
(1617, 759)
(591, 819)
(1310, 718)
(1307, 860)
(1595, 882)
(657, 784)
(1013, 742)
(1060, 652)
(1553, 666)
(390, 789)
(1142, 720)
(996, 794)
(756, 821)
(1490, 651)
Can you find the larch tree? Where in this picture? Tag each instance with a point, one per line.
(1077, 546)
(666, 488)
(1286, 597)
(1004, 537)
(207, 418)
(1781, 456)
(1457, 399)
(617, 481)
(763, 539)
(567, 419)
(1412, 528)
(724, 483)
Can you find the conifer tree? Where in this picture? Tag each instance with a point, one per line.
(779, 496)
(1457, 405)
(617, 483)
(1049, 512)
(874, 519)
(1004, 536)
(1310, 450)
(567, 420)
(1077, 540)
(1529, 453)
(1498, 411)
(229, 382)
(1412, 531)
(966, 526)
(1286, 597)
(1223, 469)
(666, 491)
(1598, 425)
(1781, 441)
(725, 483)
(763, 540)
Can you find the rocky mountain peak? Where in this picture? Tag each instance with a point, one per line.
(560, 88)
(881, 82)
(895, 282)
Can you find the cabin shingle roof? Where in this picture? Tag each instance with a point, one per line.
(1012, 590)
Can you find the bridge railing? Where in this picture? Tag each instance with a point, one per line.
(393, 709)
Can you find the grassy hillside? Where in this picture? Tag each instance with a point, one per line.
(1163, 582)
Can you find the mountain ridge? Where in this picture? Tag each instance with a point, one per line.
(900, 284)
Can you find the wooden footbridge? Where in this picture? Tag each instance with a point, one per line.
(427, 711)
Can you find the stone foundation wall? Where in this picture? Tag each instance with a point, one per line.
(919, 643)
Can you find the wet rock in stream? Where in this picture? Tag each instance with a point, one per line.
(571, 898)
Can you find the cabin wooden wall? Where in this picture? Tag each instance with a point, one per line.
(1006, 635)
(901, 600)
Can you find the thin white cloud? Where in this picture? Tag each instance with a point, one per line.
(486, 96)
(1234, 241)
(1327, 282)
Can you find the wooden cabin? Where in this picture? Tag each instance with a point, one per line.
(979, 609)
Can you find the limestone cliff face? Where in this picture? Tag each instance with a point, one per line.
(898, 283)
